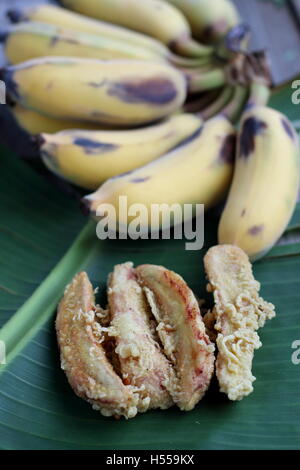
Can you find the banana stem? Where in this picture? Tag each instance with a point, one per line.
(217, 105)
(210, 80)
(189, 63)
(190, 48)
(191, 74)
(236, 105)
(236, 41)
(259, 95)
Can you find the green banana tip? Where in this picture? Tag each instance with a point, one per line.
(237, 37)
(15, 15)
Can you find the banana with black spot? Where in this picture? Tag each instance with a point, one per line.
(117, 92)
(47, 30)
(265, 186)
(197, 171)
(210, 20)
(64, 18)
(87, 158)
(30, 40)
(152, 17)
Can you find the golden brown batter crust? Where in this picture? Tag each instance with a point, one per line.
(239, 312)
(141, 360)
(83, 358)
(181, 331)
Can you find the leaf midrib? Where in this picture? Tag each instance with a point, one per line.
(27, 321)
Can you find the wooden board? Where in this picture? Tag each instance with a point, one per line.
(276, 28)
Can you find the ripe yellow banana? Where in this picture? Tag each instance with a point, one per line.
(58, 16)
(132, 40)
(265, 185)
(210, 20)
(36, 123)
(87, 158)
(30, 40)
(153, 17)
(119, 92)
(198, 170)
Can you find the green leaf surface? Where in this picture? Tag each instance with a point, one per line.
(37, 225)
(43, 241)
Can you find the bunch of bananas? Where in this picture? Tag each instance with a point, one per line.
(142, 98)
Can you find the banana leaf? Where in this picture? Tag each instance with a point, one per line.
(44, 241)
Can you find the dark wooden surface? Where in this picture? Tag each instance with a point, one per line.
(275, 27)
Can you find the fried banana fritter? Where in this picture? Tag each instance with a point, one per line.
(239, 311)
(83, 357)
(149, 349)
(181, 331)
(142, 362)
